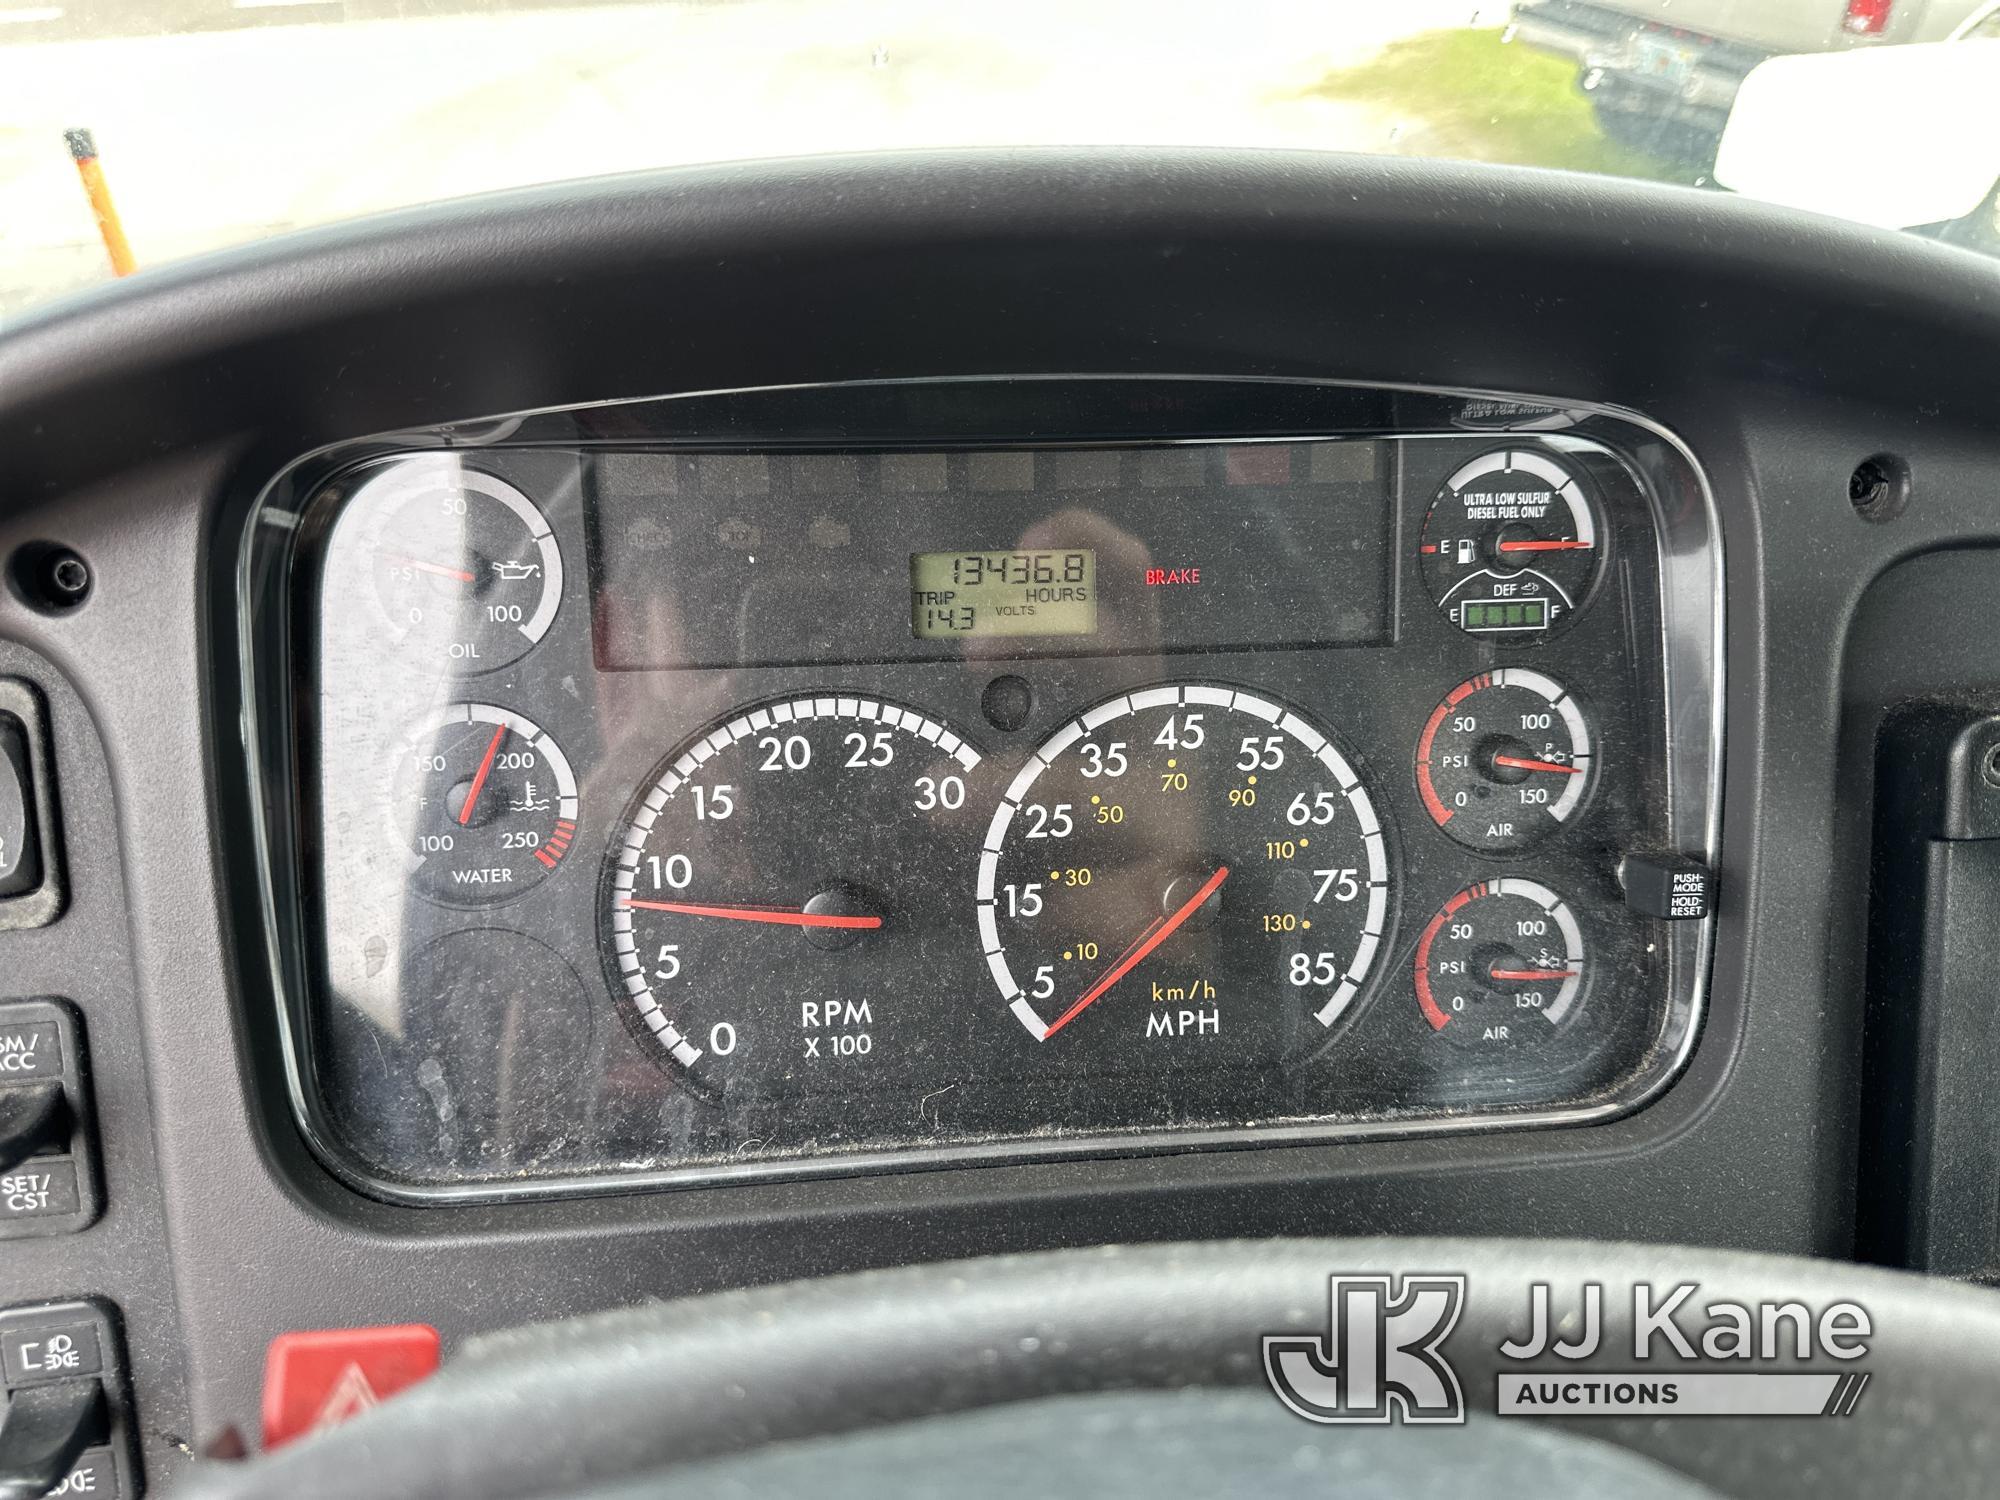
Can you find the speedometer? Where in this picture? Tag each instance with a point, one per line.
(1190, 866)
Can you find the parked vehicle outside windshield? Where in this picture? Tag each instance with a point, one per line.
(137, 132)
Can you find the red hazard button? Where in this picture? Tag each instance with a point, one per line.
(322, 1377)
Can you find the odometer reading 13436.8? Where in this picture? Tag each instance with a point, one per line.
(1185, 867)
(1047, 592)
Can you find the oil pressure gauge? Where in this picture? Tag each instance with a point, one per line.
(467, 568)
(1511, 545)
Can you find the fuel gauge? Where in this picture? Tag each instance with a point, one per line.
(1510, 546)
(487, 803)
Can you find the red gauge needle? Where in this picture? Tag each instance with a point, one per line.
(777, 915)
(1551, 546)
(1150, 939)
(1529, 976)
(1522, 763)
(479, 777)
(429, 567)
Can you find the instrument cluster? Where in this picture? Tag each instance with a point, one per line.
(805, 782)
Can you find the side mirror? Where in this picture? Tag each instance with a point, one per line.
(1894, 136)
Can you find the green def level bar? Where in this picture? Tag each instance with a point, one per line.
(1504, 614)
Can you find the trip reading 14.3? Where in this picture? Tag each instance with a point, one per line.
(1003, 593)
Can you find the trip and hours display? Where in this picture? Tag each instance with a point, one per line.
(1003, 593)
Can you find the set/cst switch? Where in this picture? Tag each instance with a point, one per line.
(48, 1144)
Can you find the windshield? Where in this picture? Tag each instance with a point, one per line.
(136, 132)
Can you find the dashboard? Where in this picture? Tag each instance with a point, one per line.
(667, 735)
(671, 807)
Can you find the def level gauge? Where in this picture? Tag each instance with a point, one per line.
(1511, 545)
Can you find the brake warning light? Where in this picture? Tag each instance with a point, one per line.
(1163, 577)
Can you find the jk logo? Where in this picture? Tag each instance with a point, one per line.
(1379, 1359)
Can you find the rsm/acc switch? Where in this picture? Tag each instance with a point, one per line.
(48, 1142)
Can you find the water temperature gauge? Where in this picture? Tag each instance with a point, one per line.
(487, 803)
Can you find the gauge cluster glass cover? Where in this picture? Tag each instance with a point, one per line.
(900, 774)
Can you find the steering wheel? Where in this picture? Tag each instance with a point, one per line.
(1140, 1370)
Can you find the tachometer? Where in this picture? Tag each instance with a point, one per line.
(1187, 866)
(778, 908)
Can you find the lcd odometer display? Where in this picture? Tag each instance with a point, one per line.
(1003, 593)
(713, 560)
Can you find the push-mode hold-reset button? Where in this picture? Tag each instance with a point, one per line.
(1668, 886)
